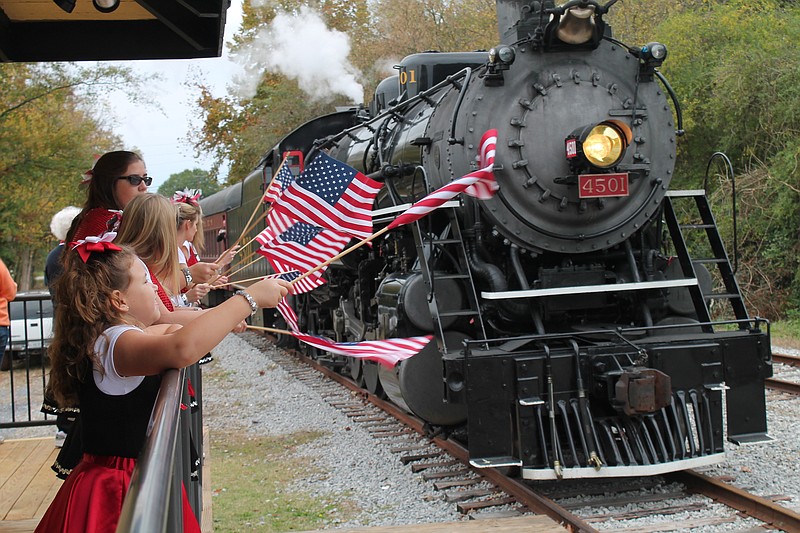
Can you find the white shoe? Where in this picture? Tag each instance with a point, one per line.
(60, 438)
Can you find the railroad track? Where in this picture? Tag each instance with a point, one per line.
(444, 463)
(783, 385)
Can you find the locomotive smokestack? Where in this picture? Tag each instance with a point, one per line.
(517, 19)
(551, 24)
(576, 26)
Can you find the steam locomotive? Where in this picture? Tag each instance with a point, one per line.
(587, 318)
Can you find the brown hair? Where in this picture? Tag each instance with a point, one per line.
(87, 287)
(149, 226)
(100, 192)
(194, 213)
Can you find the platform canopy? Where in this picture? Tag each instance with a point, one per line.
(46, 30)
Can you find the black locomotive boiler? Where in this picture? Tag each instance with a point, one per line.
(572, 312)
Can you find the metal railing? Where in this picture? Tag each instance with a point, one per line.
(24, 364)
(154, 502)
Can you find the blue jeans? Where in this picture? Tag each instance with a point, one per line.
(5, 333)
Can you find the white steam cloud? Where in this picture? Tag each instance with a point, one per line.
(303, 48)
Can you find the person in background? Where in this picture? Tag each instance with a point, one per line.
(150, 229)
(59, 226)
(191, 240)
(116, 178)
(108, 356)
(8, 291)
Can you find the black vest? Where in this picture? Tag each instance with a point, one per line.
(116, 425)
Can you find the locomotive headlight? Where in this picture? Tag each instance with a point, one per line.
(602, 145)
(501, 56)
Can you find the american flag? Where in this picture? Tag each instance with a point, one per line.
(485, 187)
(331, 195)
(301, 247)
(388, 352)
(288, 314)
(279, 182)
(289, 275)
(480, 184)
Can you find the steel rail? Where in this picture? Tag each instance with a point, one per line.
(523, 494)
(785, 359)
(782, 385)
(750, 504)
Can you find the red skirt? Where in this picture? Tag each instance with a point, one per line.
(90, 500)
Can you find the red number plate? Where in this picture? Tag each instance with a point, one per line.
(601, 185)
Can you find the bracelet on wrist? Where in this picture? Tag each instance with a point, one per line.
(188, 276)
(250, 300)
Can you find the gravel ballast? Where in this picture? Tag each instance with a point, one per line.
(349, 461)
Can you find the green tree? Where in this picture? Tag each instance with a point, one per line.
(50, 130)
(190, 179)
(736, 70)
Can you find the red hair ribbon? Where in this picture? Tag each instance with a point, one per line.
(187, 196)
(90, 244)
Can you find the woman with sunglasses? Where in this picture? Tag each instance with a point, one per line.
(116, 179)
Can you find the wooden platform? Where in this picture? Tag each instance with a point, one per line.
(27, 484)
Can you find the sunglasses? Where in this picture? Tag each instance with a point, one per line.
(135, 180)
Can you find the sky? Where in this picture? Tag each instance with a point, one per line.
(160, 135)
(298, 45)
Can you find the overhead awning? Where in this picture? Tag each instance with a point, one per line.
(41, 30)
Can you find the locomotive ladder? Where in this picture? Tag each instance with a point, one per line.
(454, 242)
(719, 255)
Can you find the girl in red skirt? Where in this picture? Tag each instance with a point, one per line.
(107, 356)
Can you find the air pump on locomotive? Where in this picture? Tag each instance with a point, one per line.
(572, 320)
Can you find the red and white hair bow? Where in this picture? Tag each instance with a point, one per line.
(87, 176)
(90, 244)
(187, 196)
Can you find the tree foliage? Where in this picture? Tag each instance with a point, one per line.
(190, 179)
(50, 132)
(736, 70)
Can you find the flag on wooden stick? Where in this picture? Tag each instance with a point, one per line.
(282, 179)
(387, 352)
